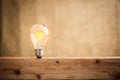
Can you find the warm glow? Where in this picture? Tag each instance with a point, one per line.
(39, 34)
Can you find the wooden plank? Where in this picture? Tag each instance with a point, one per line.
(0, 25)
(10, 28)
(59, 68)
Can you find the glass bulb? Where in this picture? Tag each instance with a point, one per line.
(39, 37)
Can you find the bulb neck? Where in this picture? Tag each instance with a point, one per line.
(39, 53)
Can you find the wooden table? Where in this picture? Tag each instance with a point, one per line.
(107, 68)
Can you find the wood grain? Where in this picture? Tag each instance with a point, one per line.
(59, 68)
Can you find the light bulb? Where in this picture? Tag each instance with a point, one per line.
(39, 37)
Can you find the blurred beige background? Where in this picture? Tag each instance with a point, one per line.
(78, 28)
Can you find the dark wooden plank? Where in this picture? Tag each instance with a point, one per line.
(0, 25)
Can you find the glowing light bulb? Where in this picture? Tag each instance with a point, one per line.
(39, 37)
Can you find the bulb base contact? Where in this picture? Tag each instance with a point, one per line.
(39, 53)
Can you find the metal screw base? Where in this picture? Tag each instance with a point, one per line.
(39, 53)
